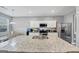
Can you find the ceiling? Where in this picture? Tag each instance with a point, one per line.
(23, 11)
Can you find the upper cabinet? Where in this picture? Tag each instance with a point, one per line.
(36, 24)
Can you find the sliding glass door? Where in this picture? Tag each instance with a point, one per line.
(4, 27)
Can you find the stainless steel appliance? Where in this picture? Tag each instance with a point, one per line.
(66, 32)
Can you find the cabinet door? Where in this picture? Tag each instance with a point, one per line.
(51, 23)
(34, 24)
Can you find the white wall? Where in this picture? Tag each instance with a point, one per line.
(68, 18)
(23, 23)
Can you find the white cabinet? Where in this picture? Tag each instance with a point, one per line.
(34, 24)
(51, 23)
(37, 23)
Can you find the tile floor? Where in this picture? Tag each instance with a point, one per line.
(25, 44)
